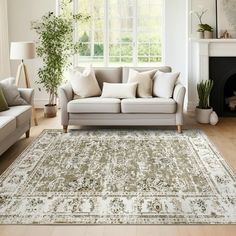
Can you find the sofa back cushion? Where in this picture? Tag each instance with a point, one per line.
(106, 74)
(125, 71)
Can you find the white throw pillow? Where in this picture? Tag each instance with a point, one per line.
(119, 90)
(11, 93)
(144, 80)
(84, 84)
(164, 84)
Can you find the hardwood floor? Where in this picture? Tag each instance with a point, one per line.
(223, 136)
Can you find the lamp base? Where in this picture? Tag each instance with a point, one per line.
(22, 69)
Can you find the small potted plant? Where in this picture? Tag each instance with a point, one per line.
(203, 110)
(207, 31)
(55, 46)
(204, 30)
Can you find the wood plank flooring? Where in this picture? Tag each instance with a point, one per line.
(223, 136)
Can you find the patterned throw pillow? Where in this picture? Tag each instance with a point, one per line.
(3, 102)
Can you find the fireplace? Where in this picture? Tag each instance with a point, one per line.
(222, 70)
(215, 59)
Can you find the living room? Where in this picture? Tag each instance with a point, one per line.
(117, 117)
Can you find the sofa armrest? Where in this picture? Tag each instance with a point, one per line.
(27, 94)
(65, 95)
(179, 94)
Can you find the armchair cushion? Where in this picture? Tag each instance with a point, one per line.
(3, 102)
(22, 114)
(11, 92)
(27, 94)
(7, 126)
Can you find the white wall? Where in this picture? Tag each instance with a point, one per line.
(176, 37)
(209, 18)
(20, 15)
(4, 41)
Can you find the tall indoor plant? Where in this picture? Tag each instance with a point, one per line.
(203, 110)
(55, 46)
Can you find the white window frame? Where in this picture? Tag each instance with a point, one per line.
(106, 33)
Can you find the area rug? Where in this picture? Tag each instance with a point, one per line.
(119, 177)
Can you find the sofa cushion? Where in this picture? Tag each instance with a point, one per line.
(7, 126)
(119, 90)
(106, 74)
(164, 84)
(125, 71)
(84, 84)
(21, 113)
(3, 102)
(94, 105)
(11, 93)
(148, 105)
(144, 80)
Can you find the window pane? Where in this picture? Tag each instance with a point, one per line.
(98, 49)
(126, 49)
(133, 33)
(121, 27)
(149, 34)
(114, 50)
(91, 35)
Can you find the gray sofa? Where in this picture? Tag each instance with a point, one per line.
(16, 121)
(97, 111)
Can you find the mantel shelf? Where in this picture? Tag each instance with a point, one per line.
(212, 40)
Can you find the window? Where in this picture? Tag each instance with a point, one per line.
(120, 32)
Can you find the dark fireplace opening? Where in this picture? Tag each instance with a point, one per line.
(230, 95)
(222, 70)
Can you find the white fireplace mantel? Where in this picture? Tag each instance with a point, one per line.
(200, 51)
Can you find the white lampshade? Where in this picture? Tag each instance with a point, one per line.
(22, 50)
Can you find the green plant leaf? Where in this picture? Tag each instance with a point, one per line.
(55, 46)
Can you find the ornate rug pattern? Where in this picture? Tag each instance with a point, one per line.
(119, 177)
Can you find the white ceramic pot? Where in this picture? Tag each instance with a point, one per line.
(200, 35)
(203, 115)
(208, 35)
(214, 118)
(50, 111)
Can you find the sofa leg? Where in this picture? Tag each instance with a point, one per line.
(179, 128)
(65, 127)
(27, 134)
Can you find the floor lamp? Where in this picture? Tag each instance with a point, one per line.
(22, 51)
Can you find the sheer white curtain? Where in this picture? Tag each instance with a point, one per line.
(4, 43)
